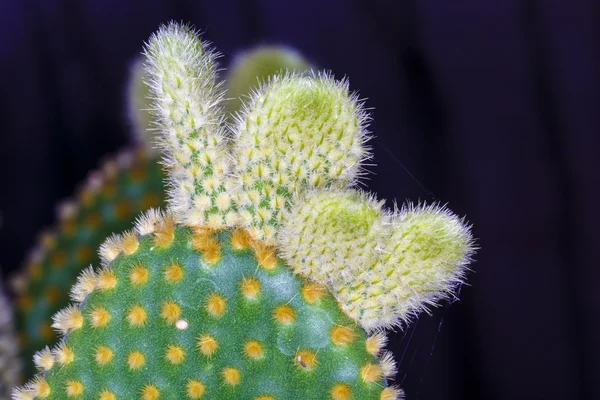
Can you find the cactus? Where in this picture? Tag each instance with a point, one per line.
(45, 300)
(10, 364)
(268, 277)
(250, 68)
(109, 201)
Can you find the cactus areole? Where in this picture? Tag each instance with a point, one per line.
(268, 277)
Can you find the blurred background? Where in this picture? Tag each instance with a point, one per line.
(491, 107)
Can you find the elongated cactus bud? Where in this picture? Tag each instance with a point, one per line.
(297, 133)
(253, 67)
(187, 104)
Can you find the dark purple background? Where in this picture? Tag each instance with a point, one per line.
(491, 106)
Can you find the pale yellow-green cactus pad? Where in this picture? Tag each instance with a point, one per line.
(297, 133)
(384, 268)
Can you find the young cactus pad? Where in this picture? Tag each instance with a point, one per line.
(110, 200)
(252, 67)
(241, 290)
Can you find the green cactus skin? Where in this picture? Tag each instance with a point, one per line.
(277, 336)
(109, 202)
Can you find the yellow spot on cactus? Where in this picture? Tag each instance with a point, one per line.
(107, 279)
(136, 360)
(41, 388)
(231, 376)
(174, 273)
(107, 395)
(240, 239)
(68, 226)
(264, 397)
(34, 270)
(341, 392)
(150, 200)
(250, 287)
(389, 393)
(44, 360)
(216, 304)
(100, 317)
(130, 243)
(139, 275)
(285, 314)
(175, 354)
(68, 320)
(204, 242)
(253, 349)
(306, 359)
(265, 255)
(46, 331)
(138, 173)
(64, 354)
(109, 190)
(313, 292)
(375, 343)
(170, 311)
(164, 235)
(123, 208)
(53, 294)
(93, 220)
(207, 345)
(25, 303)
(104, 355)
(342, 335)
(137, 316)
(59, 259)
(371, 372)
(150, 392)
(83, 254)
(195, 389)
(74, 388)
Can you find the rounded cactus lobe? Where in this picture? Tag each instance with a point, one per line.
(218, 340)
(109, 202)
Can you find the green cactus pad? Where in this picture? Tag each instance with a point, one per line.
(109, 202)
(194, 314)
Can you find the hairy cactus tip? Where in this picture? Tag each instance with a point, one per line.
(269, 277)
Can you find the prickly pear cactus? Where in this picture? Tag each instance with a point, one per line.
(268, 277)
(109, 201)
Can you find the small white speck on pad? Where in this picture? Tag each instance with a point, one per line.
(182, 324)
